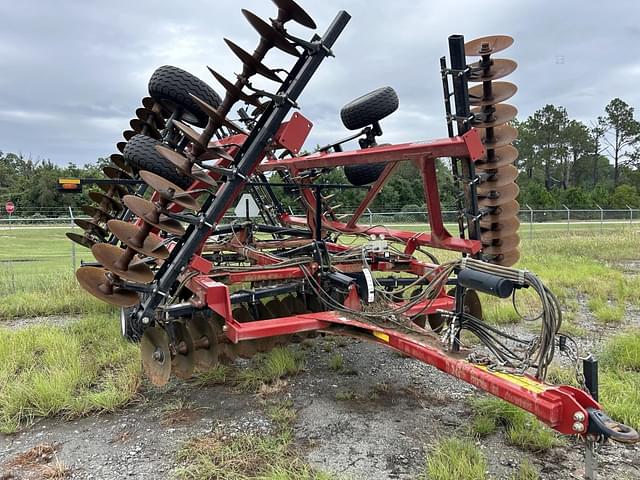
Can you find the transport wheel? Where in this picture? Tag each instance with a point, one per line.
(363, 174)
(369, 108)
(172, 86)
(140, 152)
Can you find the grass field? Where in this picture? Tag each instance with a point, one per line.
(54, 370)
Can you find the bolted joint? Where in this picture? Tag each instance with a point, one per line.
(578, 427)
(579, 417)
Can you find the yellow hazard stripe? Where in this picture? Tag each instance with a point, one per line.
(520, 380)
(382, 336)
(74, 181)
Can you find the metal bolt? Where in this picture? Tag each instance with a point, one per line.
(578, 427)
(145, 320)
(578, 417)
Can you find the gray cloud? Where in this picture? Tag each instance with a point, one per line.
(72, 73)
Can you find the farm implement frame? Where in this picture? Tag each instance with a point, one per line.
(196, 291)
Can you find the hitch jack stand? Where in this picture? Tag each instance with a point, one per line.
(590, 369)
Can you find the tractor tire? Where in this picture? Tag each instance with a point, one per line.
(171, 86)
(369, 108)
(363, 174)
(140, 152)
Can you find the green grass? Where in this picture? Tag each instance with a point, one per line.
(622, 352)
(37, 276)
(522, 429)
(71, 371)
(526, 471)
(336, 362)
(455, 458)
(271, 366)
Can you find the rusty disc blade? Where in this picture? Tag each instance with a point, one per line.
(499, 177)
(148, 103)
(183, 362)
(504, 226)
(163, 186)
(246, 348)
(234, 90)
(471, 303)
(314, 304)
(108, 255)
(90, 226)
(145, 128)
(251, 64)
(81, 239)
(290, 10)
(119, 161)
(214, 152)
(120, 146)
(97, 213)
(95, 281)
(114, 189)
(503, 244)
(116, 173)
(151, 117)
(506, 259)
(502, 136)
(501, 157)
(187, 131)
(498, 69)
(263, 312)
(503, 113)
(105, 201)
(204, 335)
(214, 115)
(498, 196)
(270, 34)
(155, 354)
(500, 92)
(147, 211)
(487, 45)
(126, 233)
(299, 306)
(185, 166)
(510, 209)
(278, 309)
(129, 134)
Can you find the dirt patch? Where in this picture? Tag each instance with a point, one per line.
(39, 462)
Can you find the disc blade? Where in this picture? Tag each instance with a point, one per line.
(501, 157)
(278, 309)
(115, 173)
(108, 256)
(145, 128)
(94, 281)
(92, 227)
(215, 152)
(290, 10)
(499, 177)
(187, 131)
(499, 68)
(185, 166)
(205, 342)
(120, 146)
(163, 186)
(270, 34)
(234, 90)
(246, 348)
(149, 116)
(118, 161)
(502, 245)
(96, 213)
(183, 362)
(506, 259)
(113, 189)
(500, 92)
(105, 201)
(214, 115)
(147, 211)
(129, 134)
(505, 226)
(127, 233)
(251, 64)
(502, 136)
(503, 113)
(81, 239)
(155, 354)
(510, 209)
(487, 45)
(148, 103)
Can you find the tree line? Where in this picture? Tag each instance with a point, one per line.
(562, 161)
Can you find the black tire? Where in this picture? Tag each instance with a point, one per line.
(363, 174)
(171, 86)
(369, 108)
(130, 329)
(140, 152)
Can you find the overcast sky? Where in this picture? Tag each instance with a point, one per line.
(72, 72)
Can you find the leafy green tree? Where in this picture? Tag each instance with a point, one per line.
(623, 134)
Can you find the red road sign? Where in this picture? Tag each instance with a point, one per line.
(10, 207)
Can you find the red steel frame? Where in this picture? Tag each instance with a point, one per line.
(561, 407)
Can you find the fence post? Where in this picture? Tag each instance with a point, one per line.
(370, 217)
(601, 218)
(73, 244)
(568, 217)
(530, 221)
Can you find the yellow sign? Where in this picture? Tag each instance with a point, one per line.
(520, 380)
(382, 336)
